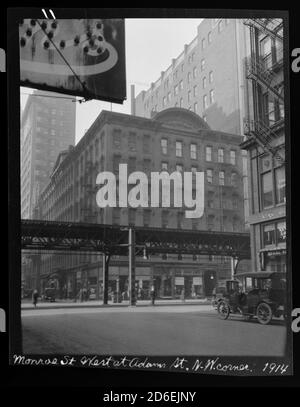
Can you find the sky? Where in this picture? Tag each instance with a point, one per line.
(150, 45)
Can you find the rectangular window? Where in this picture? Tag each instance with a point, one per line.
(164, 101)
(194, 169)
(202, 64)
(195, 72)
(221, 155)
(195, 90)
(269, 235)
(169, 96)
(116, 162)
(212, 96)
(116, 216)
(221, 178)
(189, 77)
(132, 142)
(280, 184)
(193, 151)
(164, 166)
(164, 146)
(203, 43)
(196, 107)
(189, 96)
(178, 149)
(208, 153)
(232, 157)
(233, 179)
(265, 49)
(204, 82)
(180, 85)
(205, 104)
(146, 144)
(176, 90)
(131, 216)
(266, 177)
(267, 189)
(211, 76)
(265, 46)
(209, 176)
(179, 168)
(117, 138)
(164, 218)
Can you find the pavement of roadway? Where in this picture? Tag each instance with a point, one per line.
(148, 330)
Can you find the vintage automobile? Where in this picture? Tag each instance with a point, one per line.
(262, 295)
(220, 291)
(49, 294)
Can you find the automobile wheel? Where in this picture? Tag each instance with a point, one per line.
(264, 313)
(223, 310)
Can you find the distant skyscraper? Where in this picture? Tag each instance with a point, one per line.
(47, 127)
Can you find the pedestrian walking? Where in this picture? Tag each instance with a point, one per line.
(152, 294)
(35, 297)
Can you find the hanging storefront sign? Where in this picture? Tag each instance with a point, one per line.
(81, 57)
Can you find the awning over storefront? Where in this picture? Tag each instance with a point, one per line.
(274, 252)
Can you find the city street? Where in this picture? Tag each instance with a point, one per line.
(147, 330)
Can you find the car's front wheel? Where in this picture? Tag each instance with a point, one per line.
(223, 310)
(264, 313)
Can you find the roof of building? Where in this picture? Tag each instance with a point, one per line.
(183, 118)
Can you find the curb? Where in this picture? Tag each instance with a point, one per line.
(69, 306)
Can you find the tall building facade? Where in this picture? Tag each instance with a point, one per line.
(208, 78)
(265, 144)
(175, 140)
(47, 127)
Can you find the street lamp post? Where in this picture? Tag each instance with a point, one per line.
(131, 253)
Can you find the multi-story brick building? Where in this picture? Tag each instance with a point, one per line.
(265, 130)
(174, 140)
(47, 127)
(208, 78)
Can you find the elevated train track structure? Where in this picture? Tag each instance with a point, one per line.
(131, 241)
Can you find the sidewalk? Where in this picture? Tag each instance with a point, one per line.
(97, 304)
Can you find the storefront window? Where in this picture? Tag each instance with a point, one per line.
(269, 237)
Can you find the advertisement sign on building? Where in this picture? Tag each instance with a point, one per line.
(179, 280)
(81, 57)
(197, 280)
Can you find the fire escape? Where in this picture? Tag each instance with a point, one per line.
(263, 72)
(88, 213)
(270, 26)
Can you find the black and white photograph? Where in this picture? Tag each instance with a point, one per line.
(150, 185)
